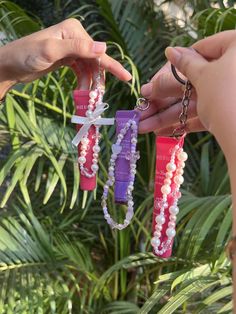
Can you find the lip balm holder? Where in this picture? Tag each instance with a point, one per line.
(170, 162)
(122, 166)
(89, 108)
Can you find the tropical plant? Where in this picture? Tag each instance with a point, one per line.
(56, 253)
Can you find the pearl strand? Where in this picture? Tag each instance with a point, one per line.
(134, 156)
(85, 141)
(177, 180)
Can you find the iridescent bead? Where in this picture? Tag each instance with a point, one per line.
(94, 167)
(82, 160)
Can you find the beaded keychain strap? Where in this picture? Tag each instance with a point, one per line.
(89, 108)
(122, 166)
(170, 162)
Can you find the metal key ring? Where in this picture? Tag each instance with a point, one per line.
(176, 75)
(142, 104)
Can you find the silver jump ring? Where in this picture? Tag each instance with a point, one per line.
(142, 104)
(176, 75)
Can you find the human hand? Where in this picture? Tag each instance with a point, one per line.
(33, 56)
(213, 81)
(165, 94)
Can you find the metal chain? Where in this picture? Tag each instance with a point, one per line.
(184, 112)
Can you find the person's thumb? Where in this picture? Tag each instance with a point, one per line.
(187, 61)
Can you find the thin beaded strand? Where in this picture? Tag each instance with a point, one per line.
(171, 167)
(134, 156)
(85, 141)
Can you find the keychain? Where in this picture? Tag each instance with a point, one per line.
(170, 163)
(89, 107)
(122, 166)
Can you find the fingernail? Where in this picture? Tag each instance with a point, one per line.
(99, 47)
(129, 75)
(173, 54)
(146, 90)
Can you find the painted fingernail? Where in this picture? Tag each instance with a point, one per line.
(99, 47)
(173, 54)
(146, 90)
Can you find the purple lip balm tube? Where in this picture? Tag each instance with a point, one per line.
(122, 166)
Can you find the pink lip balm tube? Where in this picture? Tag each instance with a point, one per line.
(81, 100)
(164, 146)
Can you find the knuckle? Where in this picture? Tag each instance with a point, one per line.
(80, 46)
(48, 50)
(71, 22)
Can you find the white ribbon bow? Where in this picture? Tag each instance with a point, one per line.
(87, 122)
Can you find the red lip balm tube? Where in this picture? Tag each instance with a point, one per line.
(81, 100)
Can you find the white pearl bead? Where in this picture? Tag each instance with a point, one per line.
(91, 102)
(167, 181)
(83, 153)
(82, 160)
(90, 107)
(182, 164)
(174, 210)
(84, 147)
(94, 167)
(155, 241)
(158, 227)
(157, 234)
(179, 171)
(94, 161)
(169, 175)
(171, 167)
(178, 179)
(171, 224)
(170, 232)
(93, 94)
(84, 140)
(95, 155)
(172, 218)
(182, 156)
(165, 189)
(160, 219)
(96, 148)
(89, 113)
